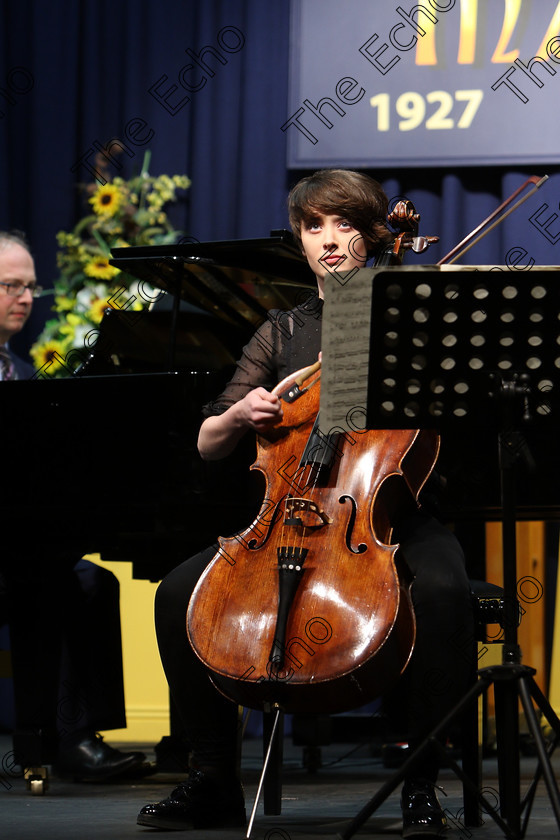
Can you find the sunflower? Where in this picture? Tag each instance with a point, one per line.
(50, 353)
(121, 213)
(97, 308)
(106, 200)
(99, 267)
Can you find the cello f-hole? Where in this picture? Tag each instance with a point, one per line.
(354, 507)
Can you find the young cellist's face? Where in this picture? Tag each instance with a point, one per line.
(331, 244)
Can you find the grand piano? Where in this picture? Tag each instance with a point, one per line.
(106, 461)
(115, 443)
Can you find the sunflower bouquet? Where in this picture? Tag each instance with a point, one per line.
(122, 213)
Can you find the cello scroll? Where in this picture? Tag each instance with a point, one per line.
(405, 220)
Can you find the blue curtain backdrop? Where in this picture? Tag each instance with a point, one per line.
(74, 73)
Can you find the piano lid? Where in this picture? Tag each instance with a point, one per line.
(238, 280)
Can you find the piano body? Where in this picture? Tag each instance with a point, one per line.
(106, 460)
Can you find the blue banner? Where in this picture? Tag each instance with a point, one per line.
(378, 83)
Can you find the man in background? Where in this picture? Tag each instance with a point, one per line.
(17, 286)
(64, 615)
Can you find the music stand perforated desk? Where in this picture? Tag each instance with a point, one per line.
(465, 353)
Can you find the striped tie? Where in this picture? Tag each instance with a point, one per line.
(6, 365)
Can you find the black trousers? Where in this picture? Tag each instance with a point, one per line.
(65, 639)
(436, 677)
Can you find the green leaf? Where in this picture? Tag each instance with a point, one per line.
(146, 163)
(84, 223)
(102, 244)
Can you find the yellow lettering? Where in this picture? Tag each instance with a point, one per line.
(551, 32)
(426, 46)
(511, 15)
(426, 50)
(467, 39)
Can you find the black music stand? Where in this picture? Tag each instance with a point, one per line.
(466, 352)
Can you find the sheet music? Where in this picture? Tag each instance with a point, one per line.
(345, 347)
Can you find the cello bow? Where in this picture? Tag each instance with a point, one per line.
(472, 238)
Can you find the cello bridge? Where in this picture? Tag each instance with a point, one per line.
(306, 513)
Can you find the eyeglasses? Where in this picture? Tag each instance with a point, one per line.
(17, 289)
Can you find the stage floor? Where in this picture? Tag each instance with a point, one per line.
(314, 806)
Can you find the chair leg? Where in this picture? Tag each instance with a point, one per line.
(272, 796)
(274, 732)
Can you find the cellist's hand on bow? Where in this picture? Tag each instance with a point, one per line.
(258, 410)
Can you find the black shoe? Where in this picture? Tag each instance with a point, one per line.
(422, 814)
(90, 759)
(200, 802)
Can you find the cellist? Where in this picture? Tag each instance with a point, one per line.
(338, 220)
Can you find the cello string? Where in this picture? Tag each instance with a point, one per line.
(307, 477)
(315, 472)
(298, 381)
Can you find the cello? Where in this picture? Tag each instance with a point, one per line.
(309, 607)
